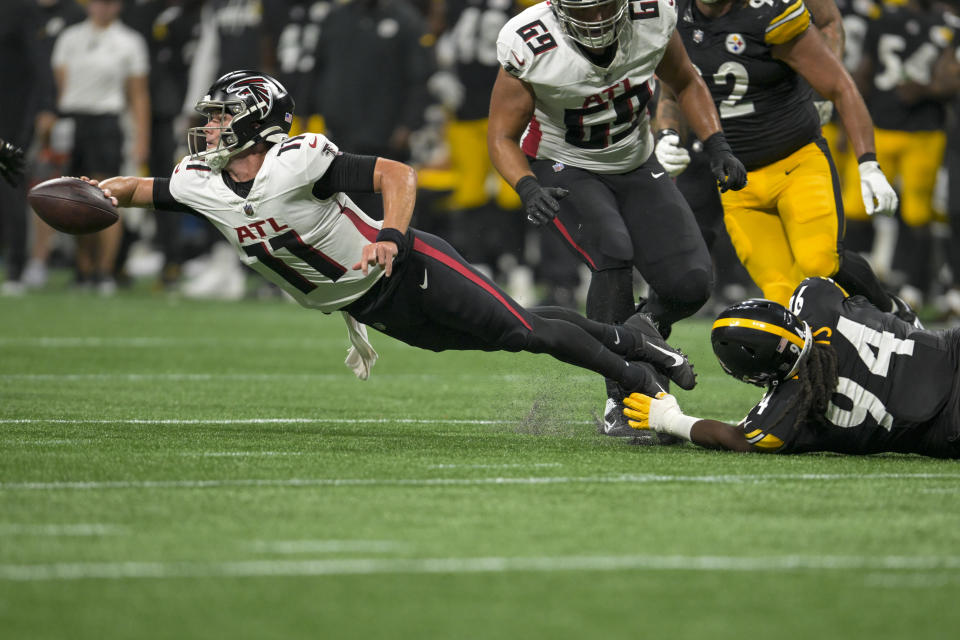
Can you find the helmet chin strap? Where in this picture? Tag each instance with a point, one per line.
(807, 345)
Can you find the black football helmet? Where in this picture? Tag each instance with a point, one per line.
(592, 23)
(260, 110)
(760, 342)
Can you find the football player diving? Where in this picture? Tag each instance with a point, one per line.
(760, 59)
(569, 129)
(840, 374)
(280, 202)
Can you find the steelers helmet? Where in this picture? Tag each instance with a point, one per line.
(760, 342)
(592, 23)
(259, 107)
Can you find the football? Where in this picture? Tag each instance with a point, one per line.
(72, 206)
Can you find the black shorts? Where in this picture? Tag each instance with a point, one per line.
(97, 146)
(436, 300)
(638, 218)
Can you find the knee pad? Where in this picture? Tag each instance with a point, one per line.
(818, 263)
(691, 291)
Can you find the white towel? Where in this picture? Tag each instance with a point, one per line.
(361, 356)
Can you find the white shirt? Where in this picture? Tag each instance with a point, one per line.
(304, 245)
(588, 116)
(97, 63)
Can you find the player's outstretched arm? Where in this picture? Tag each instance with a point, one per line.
(126, 191)
(663, 414)
(398, 184)
(808, 55)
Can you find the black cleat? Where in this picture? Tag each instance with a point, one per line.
(905, 312)
(651, 347)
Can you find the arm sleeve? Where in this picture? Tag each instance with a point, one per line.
(347, 172)
(163, 200)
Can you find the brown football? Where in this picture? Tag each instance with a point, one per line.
(72, 205)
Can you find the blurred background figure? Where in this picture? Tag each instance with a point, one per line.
(902, 48)
(100, 66)
(374, 59)
(21, 65)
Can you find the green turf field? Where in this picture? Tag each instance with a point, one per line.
(175, 469)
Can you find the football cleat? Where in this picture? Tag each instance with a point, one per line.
(651, 347)
(905, 312)
(614, 424)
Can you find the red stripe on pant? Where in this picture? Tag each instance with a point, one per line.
(566, 236)
(422, 247)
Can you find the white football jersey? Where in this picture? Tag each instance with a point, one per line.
(305, 245)
(588, 116)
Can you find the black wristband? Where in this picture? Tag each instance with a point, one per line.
(527, 187)
(389, 234)
(667, 132)
(867, 157)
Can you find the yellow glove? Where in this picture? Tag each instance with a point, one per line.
(638, 407)
(661, 414)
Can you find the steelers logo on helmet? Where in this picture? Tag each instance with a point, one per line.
(735, 43)
(760, 342)
(592, 23)
(241, 108)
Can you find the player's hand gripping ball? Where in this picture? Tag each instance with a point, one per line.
(72, 205)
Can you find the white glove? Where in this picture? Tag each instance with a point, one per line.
(670, 154)
(824, 110)
(874, 186)
(662, 414)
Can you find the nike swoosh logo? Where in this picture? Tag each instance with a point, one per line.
(519, 61)
(656, 175)
(617, 334)
(423, 285)
(677, 360)
(314, 143)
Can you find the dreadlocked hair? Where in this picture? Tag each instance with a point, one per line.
(817, 375)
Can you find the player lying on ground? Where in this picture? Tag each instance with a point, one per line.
(280, 201)
(841, 376)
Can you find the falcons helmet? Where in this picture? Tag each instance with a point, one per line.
(760, 342)
(592, 23)
(259, 107)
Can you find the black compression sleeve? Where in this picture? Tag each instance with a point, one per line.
(164, 200)
(347, 172)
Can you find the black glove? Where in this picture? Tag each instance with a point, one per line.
(729, 171)
(540, 204)
(11, 162)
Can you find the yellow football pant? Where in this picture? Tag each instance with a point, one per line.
(786, 223)
(912, 156)
(470, 161)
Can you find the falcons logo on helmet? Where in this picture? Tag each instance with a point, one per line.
(258, 87)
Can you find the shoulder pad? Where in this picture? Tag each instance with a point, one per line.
(524, 38)
(789, 19)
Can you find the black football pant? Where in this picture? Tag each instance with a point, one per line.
(436, 300)
(617, 222)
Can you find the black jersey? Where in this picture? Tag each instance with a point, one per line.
(895, 382)
(295, 28)
(856, 16)
(904, 45)
(765, 107)
(239, 26)
(471, 39)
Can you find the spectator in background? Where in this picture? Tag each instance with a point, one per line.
(383, 51)
(20, 65)
(50, 161)
(100, 67)
(172, 30)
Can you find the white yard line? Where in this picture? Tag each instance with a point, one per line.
(215, 421)
(374, 566)
(328, 546)
(258, 377)
(238, 454)
(457, 482)
(517, 465)
(76, 529)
